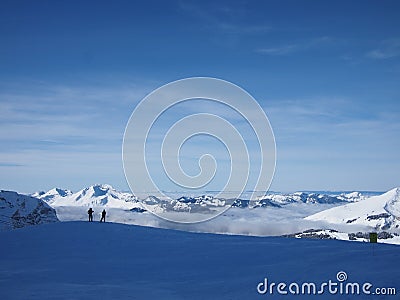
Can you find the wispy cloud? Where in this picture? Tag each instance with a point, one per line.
(304, 45)
(243, 29)
(334, 139)
(314, 127)
(333, 115)
(10, 164)
(388, 49)
(53, 135)
(281, 50)
(54, 118)
(223, 19)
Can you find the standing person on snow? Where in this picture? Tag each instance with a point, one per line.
(103, 216)
(90, 213)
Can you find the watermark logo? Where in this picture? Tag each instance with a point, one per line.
(340, 286)
(341, 276)
(193, 135)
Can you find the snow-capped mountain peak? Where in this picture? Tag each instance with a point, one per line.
(95, 195)
(98, 191)
(51, 195)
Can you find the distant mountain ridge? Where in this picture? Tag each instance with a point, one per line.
(280, 199)
(105, 195)
(312, 197)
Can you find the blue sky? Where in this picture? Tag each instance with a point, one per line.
(326, 73)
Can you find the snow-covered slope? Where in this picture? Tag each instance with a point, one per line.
(18, 210)
(393, 205)
(95, 195)
(82, 260)
(375, 212)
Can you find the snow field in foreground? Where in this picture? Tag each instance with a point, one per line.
(82, 260)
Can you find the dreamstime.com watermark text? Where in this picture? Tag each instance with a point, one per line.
(340, 286)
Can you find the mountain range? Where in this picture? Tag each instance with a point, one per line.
(105, 195)
(325, 215)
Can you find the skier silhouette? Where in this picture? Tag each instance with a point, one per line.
(90, 213)
(103, 216)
